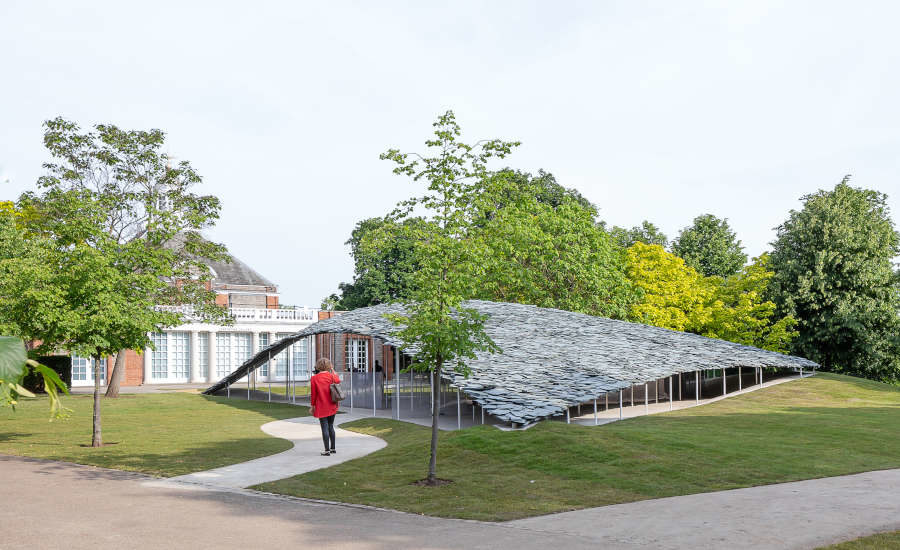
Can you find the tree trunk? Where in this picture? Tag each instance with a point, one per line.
(97, 438)
(115, 377)
(435, 412)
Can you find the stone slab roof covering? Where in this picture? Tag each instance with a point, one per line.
(553, 359)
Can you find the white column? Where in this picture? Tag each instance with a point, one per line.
(148, 364)
(254, 344)
(195, 359)
(211, 369)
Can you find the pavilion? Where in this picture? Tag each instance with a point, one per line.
(551, 361)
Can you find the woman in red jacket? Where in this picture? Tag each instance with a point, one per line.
(323, 407)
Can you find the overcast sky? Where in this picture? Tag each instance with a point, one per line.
(652, 110)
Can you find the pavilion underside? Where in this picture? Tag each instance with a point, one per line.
(551, 361)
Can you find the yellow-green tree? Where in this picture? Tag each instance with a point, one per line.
(678, 297)
(675, 296)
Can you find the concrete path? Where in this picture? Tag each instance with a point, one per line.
(306, 436)
(97, 509)
(803, 514)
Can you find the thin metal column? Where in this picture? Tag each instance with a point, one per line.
(606, 401)
(670, 392)
(620, 404)
(567, 414)
(801, 371)
(680, 396)
(374, 376)
(482, 415)
(397, 380)
(724, 383)
(646, 398)
(740, 384)
(269, 378)
(458, 411)
(697, 385)
(595, 412)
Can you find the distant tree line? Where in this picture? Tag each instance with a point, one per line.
(828, 289)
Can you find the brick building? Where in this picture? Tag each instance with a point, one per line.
(198, 352)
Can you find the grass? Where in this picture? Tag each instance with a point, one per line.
(827, 425)
(160, 434)
(881, 541)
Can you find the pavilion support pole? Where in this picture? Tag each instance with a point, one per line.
(352, 366)
(412, 393)
(697, 385)
(670, 392)
(567, 415)
(397, 380)
(724, 383)
(801, 372)
(374, 376)
(646, 398)
(595, 412)
(620, 403)
(458, 412)
(605, 401)
(680, 397)
(269, 378)
(656, 390)
(228, 391)
(579, 405)
(740, 383)
(482, 415)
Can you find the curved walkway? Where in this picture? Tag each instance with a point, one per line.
(305, 434)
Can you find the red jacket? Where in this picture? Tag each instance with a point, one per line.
(320, 394)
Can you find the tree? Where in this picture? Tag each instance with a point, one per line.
(833, 272)
(14, 366)
(646, 233)
(710, 246)
(549, 255)
(440, 332)
(674, 295)
(741, 312)
(677, 297)
(383, 274)
(140, 200)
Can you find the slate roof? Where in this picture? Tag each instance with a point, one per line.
(234, 272)
(552, 359)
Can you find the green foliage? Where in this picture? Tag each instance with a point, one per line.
(646, 233)
(677, 297)
(14, 366)
(535, 252)
(833, 273)
(384, 273)
(710, 247)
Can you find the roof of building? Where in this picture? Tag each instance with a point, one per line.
(234, 272)
(552, 359)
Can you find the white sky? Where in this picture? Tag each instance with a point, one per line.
(652, 110)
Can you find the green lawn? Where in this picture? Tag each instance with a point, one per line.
(882, 541)
(161, 434)
(822, 426)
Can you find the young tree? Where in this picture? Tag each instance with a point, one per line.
(435, 327)
(646, 233)
(833, 272)
(138, 199)
(710, 246)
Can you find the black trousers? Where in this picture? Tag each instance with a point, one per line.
(327, 424)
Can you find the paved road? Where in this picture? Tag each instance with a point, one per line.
(98, 509)
(92, 508)
(803, 514)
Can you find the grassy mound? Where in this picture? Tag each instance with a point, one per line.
(816, 427)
